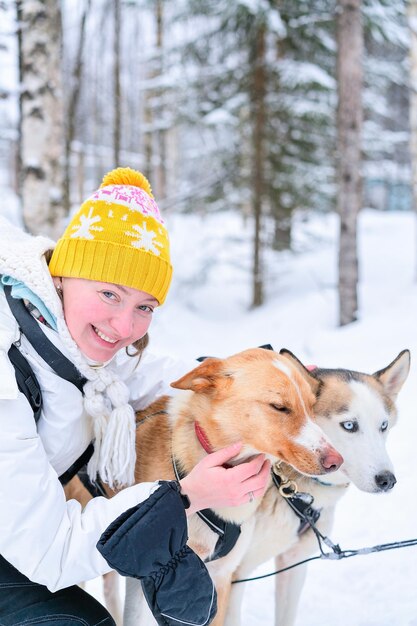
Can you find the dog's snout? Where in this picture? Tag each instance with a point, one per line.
(385, 481)
(331, 460)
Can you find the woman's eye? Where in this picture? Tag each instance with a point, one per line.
(108, 294)
(384, 426)
(350, 426)
(146, 308)
(280, 408)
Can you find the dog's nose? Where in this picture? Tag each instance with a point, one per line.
(385, 481)
(331, 460)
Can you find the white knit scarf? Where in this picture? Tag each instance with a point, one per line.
(106, 400)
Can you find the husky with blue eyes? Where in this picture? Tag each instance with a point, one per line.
(356, 412)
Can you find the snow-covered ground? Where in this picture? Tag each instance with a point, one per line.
(207, 313)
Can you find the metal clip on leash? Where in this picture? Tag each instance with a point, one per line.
(302, 505)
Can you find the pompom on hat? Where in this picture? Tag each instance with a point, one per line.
(117, 236)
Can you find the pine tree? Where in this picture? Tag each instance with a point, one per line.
(272, 147)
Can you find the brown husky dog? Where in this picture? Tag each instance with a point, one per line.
(257, 397)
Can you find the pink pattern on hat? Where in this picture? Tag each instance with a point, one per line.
(134, 198)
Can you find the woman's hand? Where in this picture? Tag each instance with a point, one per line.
(210, 485)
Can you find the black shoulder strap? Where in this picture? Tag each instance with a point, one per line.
(25, 376)
(26, 381)
(43, 346)
(77, 465)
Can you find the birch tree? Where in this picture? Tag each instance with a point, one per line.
(349, 125)
(41, 123)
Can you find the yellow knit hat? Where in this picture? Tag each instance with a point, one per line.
(117, 236)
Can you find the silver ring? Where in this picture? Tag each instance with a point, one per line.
(251, 496)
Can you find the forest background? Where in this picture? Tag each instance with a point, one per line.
(259, 107)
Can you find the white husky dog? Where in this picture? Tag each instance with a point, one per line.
(356, 411)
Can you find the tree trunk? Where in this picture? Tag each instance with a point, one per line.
(72, 109)
(116, 76)
(258, 161)
(154, 137)
(349, 125)
(412, 20)
(282, 228)
(41, 122)
(19, 166)
(160, 175)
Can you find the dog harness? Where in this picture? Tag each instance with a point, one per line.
(300, 502)
(228, 532)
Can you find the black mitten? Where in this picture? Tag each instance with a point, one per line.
(148, 542)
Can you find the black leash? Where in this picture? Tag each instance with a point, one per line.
(336, 553)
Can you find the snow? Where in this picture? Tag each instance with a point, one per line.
(208, 312)
(296, 73)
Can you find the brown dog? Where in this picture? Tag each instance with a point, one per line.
(257, 397)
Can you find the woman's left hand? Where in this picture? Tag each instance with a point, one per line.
(211, 485)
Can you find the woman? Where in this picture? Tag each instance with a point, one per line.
(94, 302)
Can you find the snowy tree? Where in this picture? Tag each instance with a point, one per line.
(41, 122)
(386, 104)
(3, 48)
(412, 15)
(116, 82)
(73, 91)
(264, 109)
(349, 126)
(226, 105)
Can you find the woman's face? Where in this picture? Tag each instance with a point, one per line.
(102, 317)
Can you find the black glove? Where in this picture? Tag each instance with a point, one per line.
(148, 542)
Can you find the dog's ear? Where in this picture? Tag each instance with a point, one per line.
(208, 377)
(395, 374)
(313, 382)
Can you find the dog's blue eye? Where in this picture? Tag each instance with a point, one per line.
(384, 426)
(350, 426)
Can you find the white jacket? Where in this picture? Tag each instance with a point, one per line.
(46, 538)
